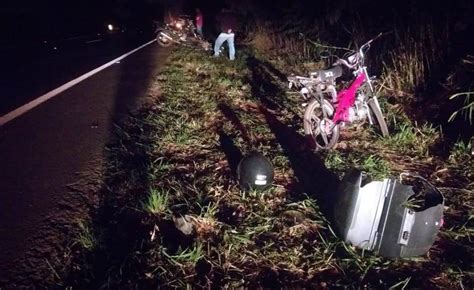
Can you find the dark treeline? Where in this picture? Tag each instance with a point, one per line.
(374, 16)
(21, 19)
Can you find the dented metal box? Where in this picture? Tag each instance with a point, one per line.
(377, 216)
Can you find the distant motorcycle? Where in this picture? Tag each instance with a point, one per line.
(181, 31)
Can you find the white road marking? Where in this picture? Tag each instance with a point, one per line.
(36, 102)
(93, 41)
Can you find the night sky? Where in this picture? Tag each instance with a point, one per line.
(22, 21)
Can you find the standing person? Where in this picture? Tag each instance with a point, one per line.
(199, 22)
(228, 25)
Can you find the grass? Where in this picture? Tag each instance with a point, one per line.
(86, 238)
(406, 69)
(412, 139)
(157, 202)
(181, 151)
(186, 256)
(415, 54)
(375, 167)
(467, 109)
(460, 152)
(462, 88)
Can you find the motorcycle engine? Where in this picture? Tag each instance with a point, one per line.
(358, 112)
(304, 92)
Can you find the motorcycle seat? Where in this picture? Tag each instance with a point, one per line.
(327, 74)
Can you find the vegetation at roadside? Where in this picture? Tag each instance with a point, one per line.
(86, 238)
(165, 210)
(174, 216)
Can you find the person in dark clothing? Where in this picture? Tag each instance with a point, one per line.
(228, 25)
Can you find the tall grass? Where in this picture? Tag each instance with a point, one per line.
(461, 79)
(405, 70)
(413, 58)
(291, 46)
(409, 55)
(467, 110)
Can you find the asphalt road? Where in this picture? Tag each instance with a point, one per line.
(42, 151)
(31, 69)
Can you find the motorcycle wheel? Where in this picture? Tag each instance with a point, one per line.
(377, 117)
(318, 125)
(162, 40)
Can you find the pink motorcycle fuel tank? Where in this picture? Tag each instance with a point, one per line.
(378, 216)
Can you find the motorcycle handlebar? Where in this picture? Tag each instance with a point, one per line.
(360, 55)
(345, 63)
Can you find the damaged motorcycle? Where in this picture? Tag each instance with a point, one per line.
(180, 31)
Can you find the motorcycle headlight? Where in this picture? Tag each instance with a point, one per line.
(179, 25)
